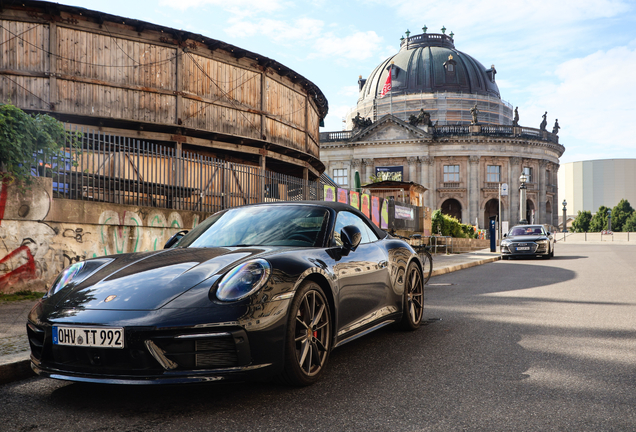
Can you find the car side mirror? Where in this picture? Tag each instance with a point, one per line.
(505, 235)
(350, 237)
(174, 239)
(549, 233)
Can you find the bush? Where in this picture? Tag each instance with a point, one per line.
(450, 226)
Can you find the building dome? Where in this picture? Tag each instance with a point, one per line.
(430, 73)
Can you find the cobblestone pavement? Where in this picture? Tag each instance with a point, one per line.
(14, 345)
(13, 317)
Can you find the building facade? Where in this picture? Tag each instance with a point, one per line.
(462, 152)
(587, 185)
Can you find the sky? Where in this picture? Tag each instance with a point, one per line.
(575, 59)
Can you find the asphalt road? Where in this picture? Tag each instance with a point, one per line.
(522, 345)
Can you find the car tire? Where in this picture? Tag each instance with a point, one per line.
(308, 337)
(413, 300)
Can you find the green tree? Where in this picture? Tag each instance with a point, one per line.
(620, 213)
(630, 223)
(599, 220)
(582, 221)
(22, 136)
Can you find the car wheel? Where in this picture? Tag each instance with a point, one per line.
(308, 338)
(413, 299)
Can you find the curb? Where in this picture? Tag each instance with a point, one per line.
(457, 267)
(15, 367)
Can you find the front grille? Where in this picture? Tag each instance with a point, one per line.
(202, 352)
(36, 340)
(217, 352)
(189, 352)
(532, 248)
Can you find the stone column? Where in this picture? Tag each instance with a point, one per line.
(473, 191)
(540, 216)
(355, 166)
(368, 170)
(556, 202)
(513, 190)
(411, 160)
(426, 162)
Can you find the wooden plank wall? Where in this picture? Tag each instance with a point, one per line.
(112, 71)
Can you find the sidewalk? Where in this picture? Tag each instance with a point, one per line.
(14, 345)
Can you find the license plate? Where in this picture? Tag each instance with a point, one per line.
(101, 337)
(523, 248)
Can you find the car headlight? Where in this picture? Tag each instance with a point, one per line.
(542, 242)
(505, 242)
(76, 273)
(244, 280)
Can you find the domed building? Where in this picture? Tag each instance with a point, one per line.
(444, 125)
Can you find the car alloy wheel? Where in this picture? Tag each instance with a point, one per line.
(308, 336)
(413, 299)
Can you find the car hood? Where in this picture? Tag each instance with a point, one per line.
(148, 281)
(526, 238)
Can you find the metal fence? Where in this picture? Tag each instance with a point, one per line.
(116, 169)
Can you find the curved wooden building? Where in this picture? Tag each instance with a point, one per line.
(142, 80)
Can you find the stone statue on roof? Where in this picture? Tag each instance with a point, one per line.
(423, 118)
(474, 111)
(360, 122)
(544, 123)
(515, 121)
(555, 129)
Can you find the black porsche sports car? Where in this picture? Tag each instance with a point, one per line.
(258, 291)
(527, 240)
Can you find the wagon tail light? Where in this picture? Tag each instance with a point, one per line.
(244, 280)
(77, 273)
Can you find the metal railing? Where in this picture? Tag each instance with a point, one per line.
(122, 170)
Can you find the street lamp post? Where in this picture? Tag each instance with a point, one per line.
(565, 217)
(522, 198)
(609, 220)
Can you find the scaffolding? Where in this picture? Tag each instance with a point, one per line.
(445, 108)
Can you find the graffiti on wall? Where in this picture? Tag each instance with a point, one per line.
(33, 251)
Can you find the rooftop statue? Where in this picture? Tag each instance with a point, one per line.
(474, 111)
(555, 129)
(515, 121)
(423, 118)
(544, 123)
(361, 122)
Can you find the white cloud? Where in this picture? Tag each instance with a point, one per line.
(594, 102)
(351, 90)
(357, 46)
(237, 7)
(334, 120)
(281, 32)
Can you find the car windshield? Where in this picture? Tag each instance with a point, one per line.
(276, 225)
(520, 231)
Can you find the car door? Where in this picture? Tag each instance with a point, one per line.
(363, 279)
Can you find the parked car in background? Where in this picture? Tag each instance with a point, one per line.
(252, 292)
(527, 240)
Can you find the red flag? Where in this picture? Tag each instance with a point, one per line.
(387, 84)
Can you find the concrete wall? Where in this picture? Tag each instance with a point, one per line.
(41, 235)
